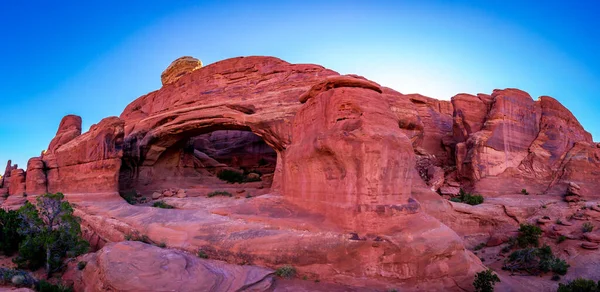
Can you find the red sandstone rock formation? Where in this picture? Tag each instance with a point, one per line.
(17, 182)
(367, 159)
(90, 162)
(36, 182)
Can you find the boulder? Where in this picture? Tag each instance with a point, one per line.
(590, 245)
(136, 266)
(178, 68)
(593, 237)
(156, 196)
(449, 191)
(253, 176)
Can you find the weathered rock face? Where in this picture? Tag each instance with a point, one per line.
(5, 181)
(178, 68)
(17, 182)
(89, 163)
(342, 138)
(36, 182)
(507, 142)
(236, 149)
(69, 129)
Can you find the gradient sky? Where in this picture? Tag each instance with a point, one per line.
(92, 58)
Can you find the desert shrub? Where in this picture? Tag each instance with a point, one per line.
(81, 265)
(587, 227)
(219, 193)
(558, 221)
(485, 281)
(535, 261)
(561, 238)
(10, 222)
(137, 237)
(479, 246)
(524, 192)
(44, 286)
(202, 254)
(286, 271)
(51, 232)
(529, 235)
(467, 198)
(231, 176)
(129, 196)
(555, 278)
(579, 285)
(162, 205)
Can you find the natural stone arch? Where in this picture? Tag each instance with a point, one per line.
(176, 130)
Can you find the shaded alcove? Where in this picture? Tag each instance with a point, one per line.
(237, 161)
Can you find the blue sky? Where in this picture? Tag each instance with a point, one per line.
(92, 58)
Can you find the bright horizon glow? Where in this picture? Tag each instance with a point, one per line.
(93, 59)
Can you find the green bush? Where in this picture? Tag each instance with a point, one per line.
(51, 232)
(162, 205)
(555, 278)
(467, 198)
(561, 238)
(286, 271)
(579, 285)
(10, 222)
(43, 286)
(231, 176)
(137, 237)
(202, 254)
(479, 246)
(81, 265)
(587, 227)
(524, 192)
(529, 235)
(485, 281)
(219, 193)
(129, 196)
(535, 260)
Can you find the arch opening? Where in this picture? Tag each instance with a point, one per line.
(234, 160)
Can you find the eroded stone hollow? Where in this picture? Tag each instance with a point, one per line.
(227, 160)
